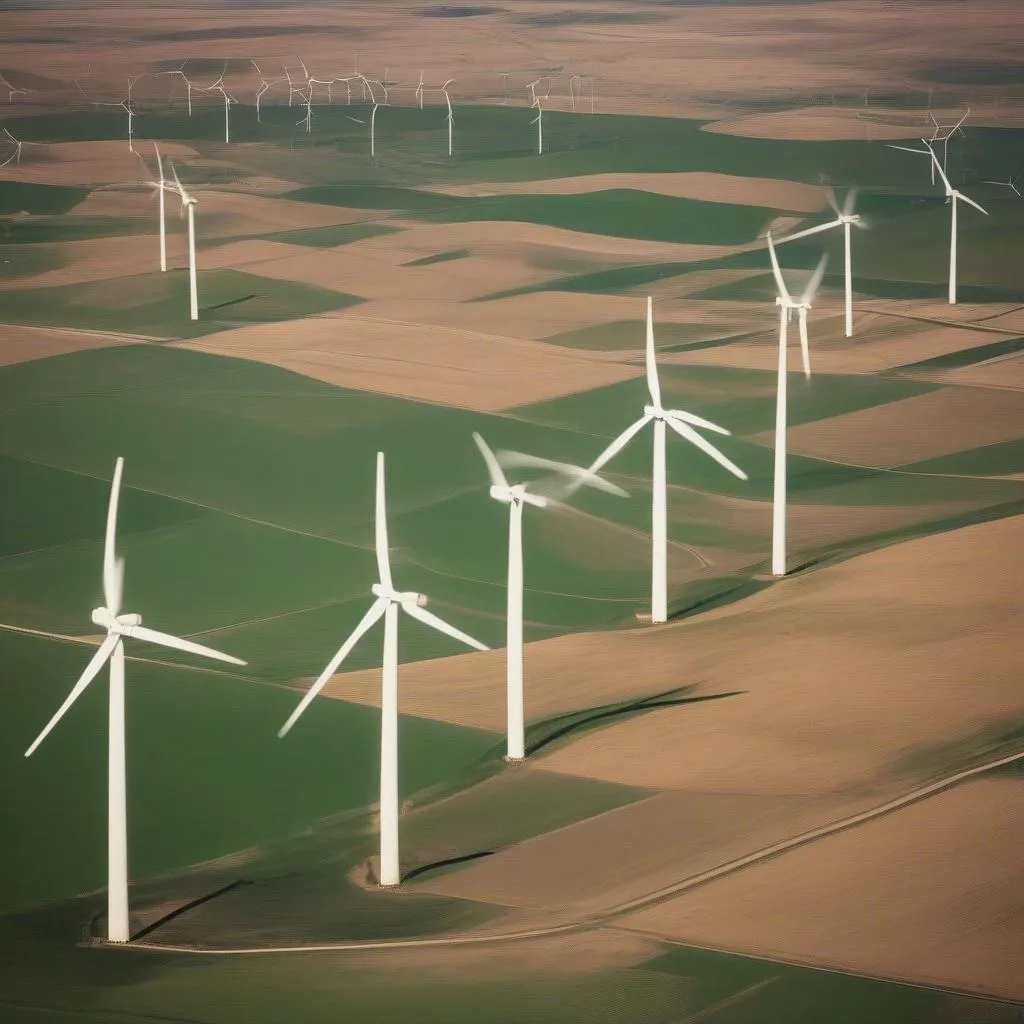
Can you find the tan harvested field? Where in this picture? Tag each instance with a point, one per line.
(107, 162)
(1002, 372)
(829, 663)
(813, 124)
(913, 429)
(695, 831)
(930, 893)
(23, 344)
(703, 185)
(414, 360)
(383, 279)
(879, 343)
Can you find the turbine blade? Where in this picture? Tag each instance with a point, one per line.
(697, 421)
(805, 350)
(971, 202)
(848, 203)
(783, 293)
(938, 167)
(381, 528)
(580, 476)
(815, 281)
(493, 466)
(691, 435)
(653, 387)
(111, 581)
(374, 612)
(154, 636)
(908, 149)
(619, 443)
(430, 619)
(97, 661)
(830, 197)
(808, 231)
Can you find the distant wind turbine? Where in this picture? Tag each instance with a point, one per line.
(787, 304)
(844, 217)
(388, 603)
(517, 496)
(682, 423)
(118, 626)
(451, 116)
(1009, 183)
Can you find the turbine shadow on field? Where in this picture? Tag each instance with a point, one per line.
(178, 911)
(565, 725)
(446, 863)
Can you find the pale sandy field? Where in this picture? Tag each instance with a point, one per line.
(414, 360)
(930, 893)
(107, 162)
(1002, 372)
(912, 429)
(703, 185)
(22, 344)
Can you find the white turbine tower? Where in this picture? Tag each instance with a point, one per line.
(844, 217)
(517, 496)
(787, 304)
(388, 603)
(539, 122)
(682, 423)
(451, 116)
(160, 187)
(419, 91)
(188, 205)
(952, 195)
(118, 626)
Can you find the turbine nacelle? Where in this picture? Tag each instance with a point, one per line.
(116, 623)
(402, 597)
(517, 495)
(654, 412)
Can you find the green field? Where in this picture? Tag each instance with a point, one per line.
(157, 305)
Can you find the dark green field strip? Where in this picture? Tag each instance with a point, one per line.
(967, 356)
(66, 228)
(51, 508)
(1000, 459)
(732, 988)
(207, 773)
(27, 196)
(623, 213)
(157, 304)
(327, 236)
(20, 262)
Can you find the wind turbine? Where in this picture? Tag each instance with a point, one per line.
(15, 157)
(188, 204)
(419, 91)
(952, 195)
(373, 114)
(11, 89)
(787, 304)
(682, 423)
(265, 85)
(389, 602)
(844, 217)
(118, 626)
(517, 496)
(937, 136)
(539, 119)
(1009, 183)
(451, 116)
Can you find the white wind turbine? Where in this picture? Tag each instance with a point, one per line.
(419, 91)
(844, 217)
(389, 602)
(517, 496)
(118, 626)
(787, 304)
(15, 157)
(937, 136)
(539, 119)
(11, 89)
(451, 116)
(373, 113)
(265, 85)
(682, 423)
(952, 195)
(188, 205)
(1009, 183)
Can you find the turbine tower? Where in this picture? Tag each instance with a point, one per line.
(188, 204)
(118, 626)
(451, 116)
(845, 217)
(787, 304)
(388, 603)
(517, 496)
(682, 423)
